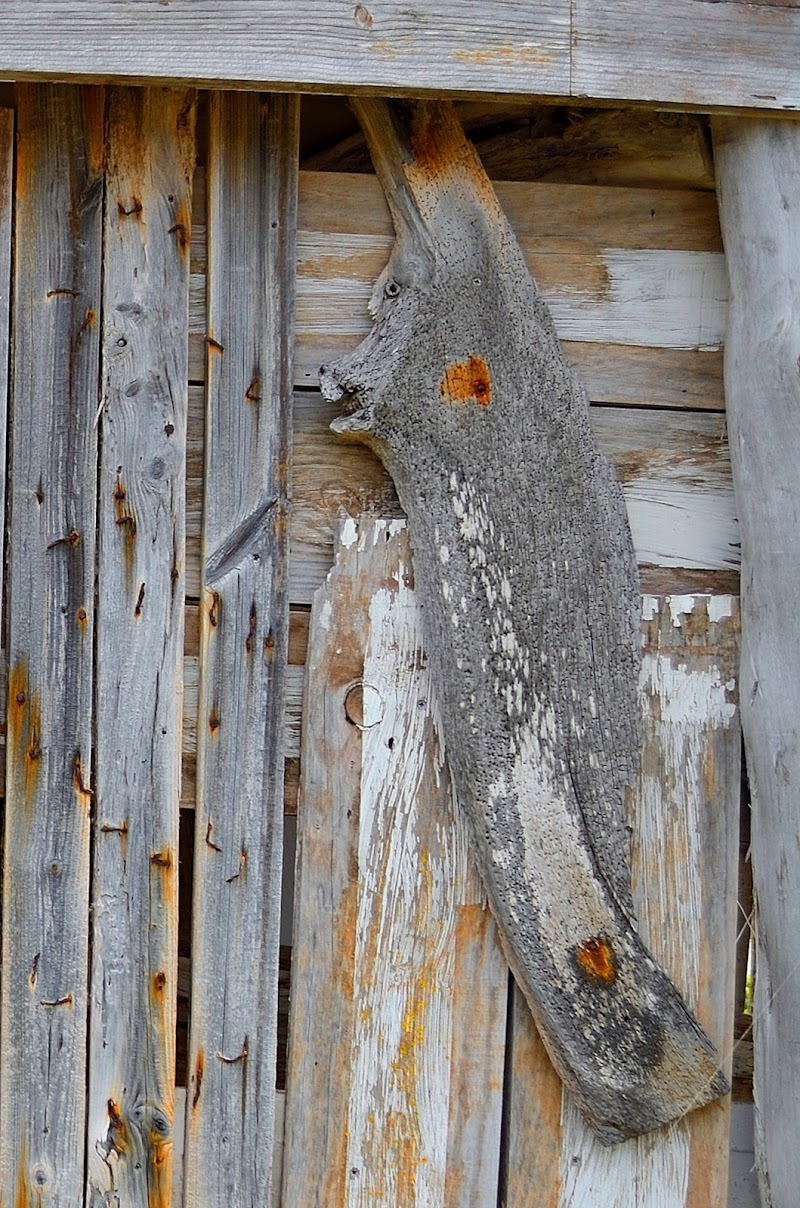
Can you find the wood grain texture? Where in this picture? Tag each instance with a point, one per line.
(674, 469)
(684, 859)
(383, 45)
(694, 55)
(759, 181)
(734, 53)
(150, 158)
(50, 628)
(244, 618)
(399, 988)
(346, 235)
(525, 565)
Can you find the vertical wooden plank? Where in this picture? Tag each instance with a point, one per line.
(758, 170)
(51, 622)
(251, 177)
(6, 206)
(399, 988)
(684, 862)
(150, 158)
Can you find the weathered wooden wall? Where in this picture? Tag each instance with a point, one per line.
(133, 460)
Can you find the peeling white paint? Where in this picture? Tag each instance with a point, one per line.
(680, 606)
(719, 607)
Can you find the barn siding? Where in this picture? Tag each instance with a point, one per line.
(637, 281)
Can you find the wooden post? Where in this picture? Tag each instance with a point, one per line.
(244, 622)
(50, 637)
(525, 565)
(399, 987)
(758, 175)
(140, 646)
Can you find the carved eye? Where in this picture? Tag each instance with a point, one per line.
(391, 289)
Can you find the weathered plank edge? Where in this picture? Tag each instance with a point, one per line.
(758, 164)
(568, 54)
(244, 641)
(51, 623)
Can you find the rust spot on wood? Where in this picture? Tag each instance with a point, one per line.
(65, 1001)
(467, 382)
(597, 960)
(24, 728)
(214, 345)
(159, 984)
(209, 841)
(242, 866)
(504, 56)
(184, 239)
(130, 209)
(126, 521)
(61, 293)
(22, 1196)
(251, 628)
(214, 609)
(269, 646)
(199, 1070)
(84, 793)
(213, 721)
(162, 858)
(236, 1058)
(73, 539)
(253, 391)
(117, 1128)
(82, 617)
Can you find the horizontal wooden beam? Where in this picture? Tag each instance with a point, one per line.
(693, 54)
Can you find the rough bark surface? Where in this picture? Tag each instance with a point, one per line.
(758, 166)
(527, 576)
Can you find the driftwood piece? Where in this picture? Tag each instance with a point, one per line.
(758, 165)
(150, 157)
(527, 575)
(399, 988)
(244, 621)
(50, 638)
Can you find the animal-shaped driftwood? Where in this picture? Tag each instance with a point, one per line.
(525, 566)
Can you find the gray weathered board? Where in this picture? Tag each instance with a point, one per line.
(376, 826)
(399, 990)
(59, 190)
(131, 1070)
(696, 55)
(759, 182)
(685, 847)
(244, 621)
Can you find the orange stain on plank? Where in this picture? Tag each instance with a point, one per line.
(467, 382)
(597, 960)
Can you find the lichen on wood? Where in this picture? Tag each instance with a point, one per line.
(527, 575)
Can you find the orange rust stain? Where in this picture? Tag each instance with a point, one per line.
(597, 959)
(117, 1128)
(22, 1197)
(269, 646)
(126, 521)
(213, 721)
(84, 794)
(199, 1071)
(82, 618)
(214, 609)
(162, 858)
(159, 983)
(467, 382)
(24, 729)
(504, 56)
